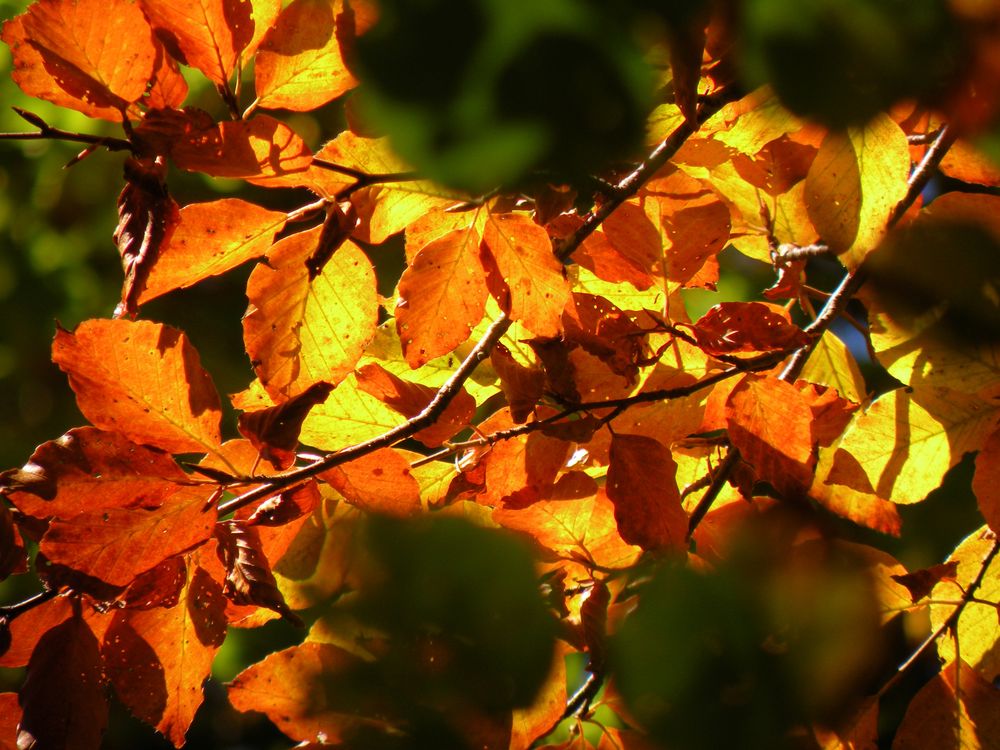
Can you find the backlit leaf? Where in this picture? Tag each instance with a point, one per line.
(977, 631)
(349, 415)
(158, 658)
(301, 330)
(94, 56)
(642, 487)
(274, 431)
(299, 64)
(206, 34)
(906, 441)
(442, 295)
(380, 482)
(143, 380)
(832, 364)
(531, 273)
(210, 239)
(27, 629)
(115, 546)
(956, 710)
(249, 579)
(89, 469)
(745, 327)
(854, 183)
(62, 699)
(986, 482)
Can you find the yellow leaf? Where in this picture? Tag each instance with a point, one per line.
(909, 438)
(978, 632)
(832, 364)
(856, 180)
(299, 65)
(300, 330)
(348, 416)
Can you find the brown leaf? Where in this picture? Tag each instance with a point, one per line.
(142, 379)
(379, 482)
(594, 624)
(732, 328)
(209, 239)
(920, 582)
(63, 698)
(409, 399)
(157, 658)
(249, 579)
(147, 216)
(642, 485)
(115, 546)
(686, 42)
(285, 507)
(606, 332)
(12, 555)
(89, 470)
(158, 587)
(275, 431)
(94, 56)
(26, 629)
(522, 386)
(986, 481)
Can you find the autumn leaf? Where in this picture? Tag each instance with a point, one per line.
(249, 579)
(853, 185)
(410, 399)
(732, 328)
(642, 487)
(89, 469)
(957, 709)
(986, 482)
(274, 431)
(532, 276)
(771, 424)
(442, 296)
(380, 482)
(299, 65)
(63, 699)
(697, 234)
(94, 56)
(301, 330)
(142, 379)
(210, 239)
(205, 34)
(27, 630)
(157, 658)
(114, 547)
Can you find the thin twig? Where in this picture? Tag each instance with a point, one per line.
(11, 611)
(47, 132)
(444, 396)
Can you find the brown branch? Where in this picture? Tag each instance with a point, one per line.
(630, 185)
(425, 418)
(47, 132)
(950, 623)
(11, 611)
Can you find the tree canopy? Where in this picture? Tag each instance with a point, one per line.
(596, 359)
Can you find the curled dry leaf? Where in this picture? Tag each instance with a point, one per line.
(249, 579)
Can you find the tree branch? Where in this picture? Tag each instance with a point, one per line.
(47, 132)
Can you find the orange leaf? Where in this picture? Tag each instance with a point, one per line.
(770, 423)
(210, 239)
(956, 710)
(275, 431)
(115, 546)
(90, 470)
(158, 658)
(63, 698)
(986, 482)
(142, 379)
(168, 88)
(442, 295)
(409, 399)
(205, 34)
(634, 237)
(522, 386)
(920, 582)
(697, 234)
(379, 482)
(299, 65)
(642, 485)
(299, 691)
(745, 328)
(26, 629)
(301, 330)
(10, 716)
(262, 150)
(530, 271)
(94, 56)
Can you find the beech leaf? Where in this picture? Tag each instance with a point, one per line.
(143, 380)
(275, 431)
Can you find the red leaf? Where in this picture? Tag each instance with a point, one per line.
(28, 628)
(409, 399)
(10, 716)
(63, 699)
(733, 328)
(89, 470)
(986, 482)
(920, 582)
(275, 431)
(12, 555)
(643, 487)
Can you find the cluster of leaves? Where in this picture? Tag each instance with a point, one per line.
(532, 450)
